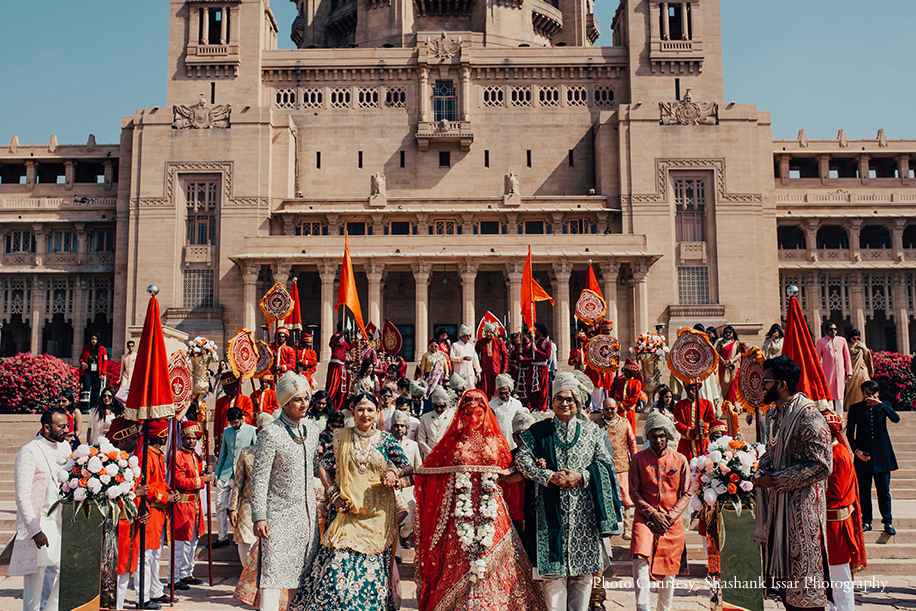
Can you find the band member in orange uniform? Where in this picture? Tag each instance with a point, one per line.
(626, 391)
(691, 419)
(158, 497)
(188, 513)
(125, 434)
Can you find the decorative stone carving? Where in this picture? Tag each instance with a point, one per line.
(882, 139)
(52, 143)
(444, 47)
(512, 195)
(378, 195)
(688, 112)
(202, 115)
(14, 144)
(841, 138)
(802, 139)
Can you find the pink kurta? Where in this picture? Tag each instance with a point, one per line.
(834, 356)
(659, 483)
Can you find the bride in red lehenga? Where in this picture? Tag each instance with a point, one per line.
(469, 556)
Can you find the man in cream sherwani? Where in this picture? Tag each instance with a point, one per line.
(464, 357)
(37, 546)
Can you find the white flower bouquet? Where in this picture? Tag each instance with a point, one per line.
(725, 473)
(201, 346)
(650, 343)
(476, 539)
(100, 474)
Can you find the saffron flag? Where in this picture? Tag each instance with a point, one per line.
(531, 294)
(799, 347)
(346, 294)
(592, 282)
(294, 320)
(150, 394)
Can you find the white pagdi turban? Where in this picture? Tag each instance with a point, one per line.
(292, 385)
(465, 330)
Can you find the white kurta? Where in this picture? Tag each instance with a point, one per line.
(432, 428)
(35, 491)
(505, 411)
(469, 370)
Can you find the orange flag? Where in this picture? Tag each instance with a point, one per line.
(531, 293)
(592, 282)
(346, 294)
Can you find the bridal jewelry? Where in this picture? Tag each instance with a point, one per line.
(362, 448)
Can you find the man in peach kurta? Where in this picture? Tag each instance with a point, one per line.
(659, 487)
(833, 352)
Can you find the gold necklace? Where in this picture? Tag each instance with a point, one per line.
(362, 449)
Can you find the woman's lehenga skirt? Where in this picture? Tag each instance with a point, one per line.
(344, 580)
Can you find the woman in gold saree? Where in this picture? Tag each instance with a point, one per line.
(353, 568)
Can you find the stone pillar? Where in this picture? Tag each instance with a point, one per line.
(327, 272)
(811, 226)
(39, 286)
(249, 296)
(421, 273)
(68, 173)
(814, 306)
(784, 168)
(903, 166)
(611, 277)
(223, 23)
(514, 272)
(465, 93)
(823, 167)
(562, 269)
(41, 246)
(853, 229)
(897, 237)
(685, 34)
(78, 320)
(857, 297)
(901, 316)
(863, 166)
(109, 173)
(31, 172)
(424, 93)
(205, 32)
(281, 273)
(374, 274)
(640, 300)
(468, 294)
(664, 16)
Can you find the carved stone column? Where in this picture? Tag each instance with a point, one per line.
(424, 92)
(823, 167)
(685, 33)
(814, 305)
(903, 167)
(853, 229)
(249, 294)
(205, 32)
(374, 275)
(68, 174)
(514, 273)
(640, 299)
(109, 173)
(79, 317)
(863, 166)
(468, 293)
(421, 273)
(901, 316)
(465, 93)
(31, 173)
(857, 297)
(811, 226)
(327, 272)
(223, 22)
(281, 273)
(611, 276)
(562, 269)
(897, 237)
(39, 286)
(664, 15)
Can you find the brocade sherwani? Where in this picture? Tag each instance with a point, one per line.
(578, 446)
(791, 522)
(283, 494)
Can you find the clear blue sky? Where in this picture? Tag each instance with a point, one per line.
(75, 68)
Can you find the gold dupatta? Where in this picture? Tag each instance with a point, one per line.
(368, 528)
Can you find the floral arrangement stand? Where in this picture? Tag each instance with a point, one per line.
(740, 560)
(650, 348)
(722, 481)
(96, 484)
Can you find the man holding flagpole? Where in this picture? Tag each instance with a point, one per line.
(537, 377)
(347, 296)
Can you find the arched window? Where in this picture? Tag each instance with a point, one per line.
(832, 236)
(791, 237)
(875, 237)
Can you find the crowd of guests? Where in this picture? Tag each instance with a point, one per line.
(502, 473)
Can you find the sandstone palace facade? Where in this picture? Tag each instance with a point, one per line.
(446, 136)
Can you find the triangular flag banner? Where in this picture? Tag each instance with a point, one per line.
(799, 347)
(592, 282)
(346, 294)
(150, 393)
(293, 322)
(531, 294)
(490, 317)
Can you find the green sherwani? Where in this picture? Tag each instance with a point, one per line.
(570, 522)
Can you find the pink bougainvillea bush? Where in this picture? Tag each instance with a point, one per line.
(113, 372)
(30, 383)
(894, 375)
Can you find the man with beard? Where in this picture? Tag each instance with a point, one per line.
(232, 398)
(434, 424)
(283, 503)
(286, 354)
(627, 389)
(464, 359)
(308, 358)
(338, 383)
(494, 358)
(264, 399)
(793, 475)
(691, 419)
(36, 549)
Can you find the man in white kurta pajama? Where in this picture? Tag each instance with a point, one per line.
(465, 361)
(37, 546)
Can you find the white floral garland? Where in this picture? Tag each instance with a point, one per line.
(477, 541)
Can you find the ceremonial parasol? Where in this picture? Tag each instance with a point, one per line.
(265, 359)
(150, 393)
(590, 307)
(602, 353)
(692, 357)
(276, 303)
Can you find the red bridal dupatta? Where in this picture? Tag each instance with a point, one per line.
(468, 553)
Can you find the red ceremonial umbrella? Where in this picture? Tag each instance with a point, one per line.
(799, 346)
(150, 393)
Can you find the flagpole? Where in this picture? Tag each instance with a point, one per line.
(173, 428)
(144, 448)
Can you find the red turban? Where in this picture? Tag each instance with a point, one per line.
(159, 428)
(190, 427)
(122, 428)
